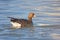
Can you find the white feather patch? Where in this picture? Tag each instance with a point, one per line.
(16, 25)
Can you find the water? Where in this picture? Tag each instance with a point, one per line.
(46, 24)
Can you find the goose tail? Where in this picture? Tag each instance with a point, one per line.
(11, 17)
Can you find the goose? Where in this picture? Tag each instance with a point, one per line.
(18, 23)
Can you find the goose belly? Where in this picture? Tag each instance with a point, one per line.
(15, 24)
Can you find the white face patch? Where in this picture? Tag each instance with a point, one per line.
(34, 15)
(16, 25)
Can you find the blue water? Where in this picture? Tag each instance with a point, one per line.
(46, 22)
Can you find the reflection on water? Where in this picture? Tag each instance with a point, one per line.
(33, 33)
(46, 24)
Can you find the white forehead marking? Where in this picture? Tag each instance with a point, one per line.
(34, 16)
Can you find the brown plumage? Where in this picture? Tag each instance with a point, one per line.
(23, 22)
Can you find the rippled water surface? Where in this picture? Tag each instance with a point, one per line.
(46, 22)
